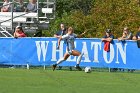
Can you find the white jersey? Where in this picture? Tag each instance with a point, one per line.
(69, 41)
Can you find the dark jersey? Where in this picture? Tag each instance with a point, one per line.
(61, 32)
(138, 35)
(111, 36)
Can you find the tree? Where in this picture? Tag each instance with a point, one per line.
(98, 15)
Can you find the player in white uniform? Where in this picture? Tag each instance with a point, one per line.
(69, 37)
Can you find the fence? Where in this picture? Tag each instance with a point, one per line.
(39, 20)
(42, 51)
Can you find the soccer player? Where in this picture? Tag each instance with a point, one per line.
(69, 37)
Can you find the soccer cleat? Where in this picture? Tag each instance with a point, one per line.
(70, 68)
(54, 66)
(59, 67)
(78, 68)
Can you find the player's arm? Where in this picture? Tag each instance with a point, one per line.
(57, 36)
(59, 40)
(107, 39)
(79, 36)
(128, 37)
(64, 37)
(123, 38)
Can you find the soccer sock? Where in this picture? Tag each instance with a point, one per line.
(79, 59)
(60, 61)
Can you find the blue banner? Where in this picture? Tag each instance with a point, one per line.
(43, 51)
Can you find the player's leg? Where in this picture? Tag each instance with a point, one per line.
(77, 53)
(66, 55)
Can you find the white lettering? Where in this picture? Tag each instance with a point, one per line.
(96, 44)
(42, 46)
(54, 50)
(85, 53)
(119, 53)
(122, 53)
(111, 54)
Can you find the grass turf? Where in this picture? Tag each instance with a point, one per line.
(62, 81)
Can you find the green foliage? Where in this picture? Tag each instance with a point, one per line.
(116, 15)
(66, 6)
(95, 16)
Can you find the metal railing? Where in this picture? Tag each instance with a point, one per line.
(12, 8)
(11, 3)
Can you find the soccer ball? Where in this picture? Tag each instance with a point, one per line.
(87, 69)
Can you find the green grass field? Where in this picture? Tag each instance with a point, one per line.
(63, 81)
